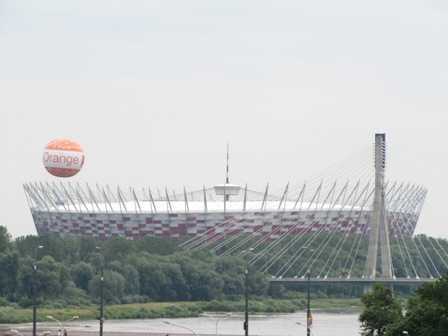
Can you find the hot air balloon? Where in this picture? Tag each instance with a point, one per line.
(63, 158)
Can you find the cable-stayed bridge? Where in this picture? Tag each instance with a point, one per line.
(348, 224)
(355, 228)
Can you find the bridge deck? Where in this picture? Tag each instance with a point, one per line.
(408, 281)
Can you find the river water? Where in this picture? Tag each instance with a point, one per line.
(324, 324)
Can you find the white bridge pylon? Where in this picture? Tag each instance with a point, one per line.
(379, 230)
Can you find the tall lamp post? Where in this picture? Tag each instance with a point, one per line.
(246, 295)
(246, 303)
(101, 293)
(33, 289)
(102, 300)
(308, 308)
(309, 318)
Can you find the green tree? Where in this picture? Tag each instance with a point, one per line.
(233, 284)
(9, 269)
(380, 311)
(117, 249)
(152, 278)
(132, 278)
(27, 246)
(4, 239)
(258, 283)
(50, 279)
(87, 246)
(82, 273)
(277, 291)
(157, 245)
(203, 283)
(129, 273)
(426, 312)
(175, 287)
(114, 284)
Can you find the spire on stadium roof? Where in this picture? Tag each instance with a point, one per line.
(227, 189)
(227, 166)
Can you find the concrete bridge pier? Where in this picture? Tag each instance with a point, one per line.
(379, 242)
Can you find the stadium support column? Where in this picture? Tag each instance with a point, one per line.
(379, 231)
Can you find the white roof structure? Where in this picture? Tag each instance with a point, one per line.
(147, 206)
(65, 197)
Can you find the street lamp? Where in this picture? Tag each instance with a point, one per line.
(33, 288)
(101, 293)
(220, 319)
(246, 296)
(308, 308)
(246, 302)
(180, 326)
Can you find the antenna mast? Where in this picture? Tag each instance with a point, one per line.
(227, 165)
(226, 196)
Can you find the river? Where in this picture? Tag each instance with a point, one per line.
(324, 324)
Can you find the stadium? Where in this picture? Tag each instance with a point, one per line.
(340, 205)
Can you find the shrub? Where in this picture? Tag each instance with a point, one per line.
(3, 302)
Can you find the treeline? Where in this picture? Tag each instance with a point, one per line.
(424, 314)
(151, 269)
(155, 269)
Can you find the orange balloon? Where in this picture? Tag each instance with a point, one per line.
(63, 158)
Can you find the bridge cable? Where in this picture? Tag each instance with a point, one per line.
(405, 206)
(333, 228)
(438, 253)
(392, 209)
(294, 239)
(344, 236)
(416, 200)
(410, 205)
(277, 242)
(336, 229)
(396, 208)
(314, 235)
(354, 249)
(441, 247)
(395, 215)
(360, 237)
(324, 244)
(285, 268)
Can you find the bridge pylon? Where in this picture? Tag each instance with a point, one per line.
(379, 230)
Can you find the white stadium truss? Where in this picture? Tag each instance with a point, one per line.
(102, 212)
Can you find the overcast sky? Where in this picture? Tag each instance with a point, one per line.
(153, 90)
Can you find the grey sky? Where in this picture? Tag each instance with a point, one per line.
(154, 89)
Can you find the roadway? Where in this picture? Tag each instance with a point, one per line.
(367, 281)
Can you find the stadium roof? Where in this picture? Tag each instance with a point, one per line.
(164, 206)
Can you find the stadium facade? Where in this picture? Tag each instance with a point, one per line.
(224, 209)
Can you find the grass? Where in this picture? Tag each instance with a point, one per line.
(337, 305)
(178, 309)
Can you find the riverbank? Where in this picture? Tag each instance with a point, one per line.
(178, 309)
(324, 324)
